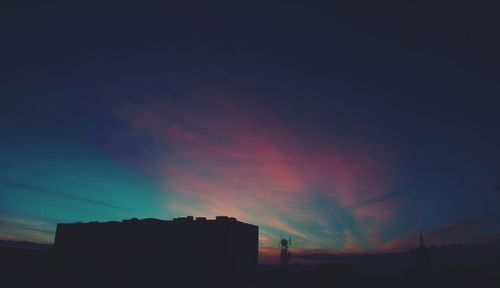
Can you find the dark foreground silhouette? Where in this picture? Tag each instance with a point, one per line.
(449, 266)
(216, 257)
(151, 252)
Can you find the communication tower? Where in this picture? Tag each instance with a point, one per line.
(285, 255)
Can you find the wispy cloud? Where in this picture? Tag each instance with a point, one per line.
(235, 158)
(14, 226)
(64, 195)
(467, 232)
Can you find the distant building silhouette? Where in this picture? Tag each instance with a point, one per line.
(150, 252)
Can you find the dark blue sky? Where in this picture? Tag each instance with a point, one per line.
(366, 122)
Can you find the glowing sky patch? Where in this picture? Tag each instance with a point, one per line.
(246, 163)
(43, 185)
(316, 119)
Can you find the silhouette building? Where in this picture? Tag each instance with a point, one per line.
(152, 252)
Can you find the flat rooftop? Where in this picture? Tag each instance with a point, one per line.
(187, 219)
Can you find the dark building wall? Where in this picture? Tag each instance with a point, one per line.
(184, 250)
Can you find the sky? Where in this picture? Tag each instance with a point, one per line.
(350, 127)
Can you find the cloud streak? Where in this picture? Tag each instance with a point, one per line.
(235, 158)
(63, 195)
(470, 231)
(25, 228)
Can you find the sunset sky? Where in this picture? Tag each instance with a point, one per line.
(351, 128)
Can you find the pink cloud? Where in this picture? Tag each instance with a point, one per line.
(247, 163)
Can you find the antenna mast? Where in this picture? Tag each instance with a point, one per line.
(285, 255)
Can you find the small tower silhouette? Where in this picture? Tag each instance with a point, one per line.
(285, 255)
(422, 265)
